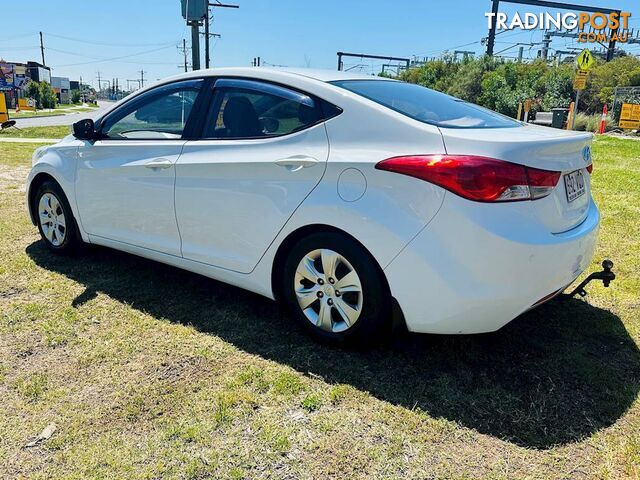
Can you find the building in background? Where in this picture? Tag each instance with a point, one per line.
(38, 72)
(61, 87)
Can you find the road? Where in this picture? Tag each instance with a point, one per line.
(63, 119)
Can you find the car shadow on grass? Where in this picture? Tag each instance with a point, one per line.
(553, 376)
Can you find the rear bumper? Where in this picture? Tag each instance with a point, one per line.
(477, 266)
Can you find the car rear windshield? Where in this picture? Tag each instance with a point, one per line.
(427, 105)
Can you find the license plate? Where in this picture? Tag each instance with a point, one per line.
(574, 185)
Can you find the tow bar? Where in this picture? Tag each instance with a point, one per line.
(606, 275)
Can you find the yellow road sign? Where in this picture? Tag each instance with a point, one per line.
(630, 116)
(580, 82)
(585, 59)
(26, 104)
(4, 114)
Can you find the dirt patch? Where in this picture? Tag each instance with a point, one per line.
(13, 178)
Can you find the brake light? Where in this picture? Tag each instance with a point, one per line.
(476, 178)
(590, 168)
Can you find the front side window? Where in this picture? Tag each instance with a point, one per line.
(161, 113)
(427, 105)
(251, 109)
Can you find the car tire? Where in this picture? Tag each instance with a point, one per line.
(55, 219)
(359, 313)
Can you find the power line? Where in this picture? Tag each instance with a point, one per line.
(92, 42)
(118, 58)
(66, 52)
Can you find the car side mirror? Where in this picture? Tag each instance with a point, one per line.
(84, 129)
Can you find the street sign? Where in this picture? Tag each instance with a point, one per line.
(580, 82)
(26, 104)
(584, 59)
(4, 113)
(630, 116)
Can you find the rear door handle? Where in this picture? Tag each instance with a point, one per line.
(297, 162)
(159, 163)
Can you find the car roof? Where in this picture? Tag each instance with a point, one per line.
(270, 72)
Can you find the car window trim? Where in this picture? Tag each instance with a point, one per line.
(139, 98)
(214, 88)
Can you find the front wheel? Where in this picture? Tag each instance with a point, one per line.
(55, 219)
(335, 289)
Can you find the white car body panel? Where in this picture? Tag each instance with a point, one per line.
(453, 265)
(234, 196)
(122, 197)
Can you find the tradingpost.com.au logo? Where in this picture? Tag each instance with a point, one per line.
(603, 27)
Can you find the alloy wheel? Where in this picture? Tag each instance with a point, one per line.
(52, 219)
(328, 290)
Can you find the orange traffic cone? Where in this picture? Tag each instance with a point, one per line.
(603, 122)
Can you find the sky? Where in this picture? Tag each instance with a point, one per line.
(118, 38)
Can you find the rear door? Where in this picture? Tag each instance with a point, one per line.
(263, 149)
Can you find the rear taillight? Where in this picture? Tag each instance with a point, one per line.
(477, 178)
(590, 168)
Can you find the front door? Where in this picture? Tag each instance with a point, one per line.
(125, 180)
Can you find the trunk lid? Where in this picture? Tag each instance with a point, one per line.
(538, 147)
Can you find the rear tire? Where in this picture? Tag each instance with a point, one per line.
(336, 290)
(55, 219)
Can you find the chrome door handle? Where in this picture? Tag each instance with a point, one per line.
(297, 162)
(159, 163)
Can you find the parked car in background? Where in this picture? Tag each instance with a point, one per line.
(347, 197)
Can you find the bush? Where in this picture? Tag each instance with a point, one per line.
(581, 122)
(591, 123)
(75, 96)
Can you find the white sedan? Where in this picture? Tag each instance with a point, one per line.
(352, 199)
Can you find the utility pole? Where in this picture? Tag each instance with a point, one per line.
(546, 43)
(141, 78)
(99, 84)
(184, 53)
(195, 45)
(206, 39)
(207, 35)
(42, 49)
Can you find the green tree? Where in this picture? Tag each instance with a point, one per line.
(604, 77)
(48, 97)
(32, 90)
(75, 96)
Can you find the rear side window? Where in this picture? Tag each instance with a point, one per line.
(252, 109)
(426, 105)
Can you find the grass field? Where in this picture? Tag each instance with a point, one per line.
(151, 372)
(57, 131)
